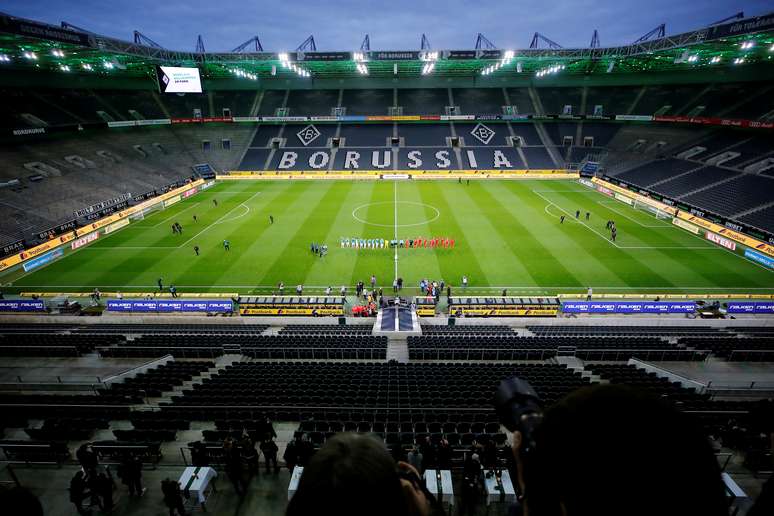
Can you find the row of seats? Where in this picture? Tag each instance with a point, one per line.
(392, 384)
(162, 378)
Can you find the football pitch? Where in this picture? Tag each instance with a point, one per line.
(507, 235)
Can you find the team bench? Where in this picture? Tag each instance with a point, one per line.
(503, 306)
(292, 305)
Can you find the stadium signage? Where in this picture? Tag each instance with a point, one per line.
(323, 56)
(12, 248)
(30, 131)
(44, 31)
(629, 307)
(189, 193)
(91, 237)
(757, 307)
(759, 258)
(172, 200)
(634, 118)
(104, 204)
(686, 226)
(733, 235)
(167, 306)
(395, 56)
(116, 226)
(717, 239)
(43, 259)
(586, 182)
(58, 230)
(22, 305)
(757, 24)
(637, 197)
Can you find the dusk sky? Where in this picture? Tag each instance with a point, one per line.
(392, 25)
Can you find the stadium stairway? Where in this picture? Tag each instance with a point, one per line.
(397, 349)
(221, 363)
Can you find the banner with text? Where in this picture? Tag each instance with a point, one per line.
(170, 305)
(618, 307)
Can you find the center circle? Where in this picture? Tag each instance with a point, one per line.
(409, 214)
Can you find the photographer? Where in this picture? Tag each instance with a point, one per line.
(354, 475)
(611, 450)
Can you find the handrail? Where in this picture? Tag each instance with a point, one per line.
(131, 373)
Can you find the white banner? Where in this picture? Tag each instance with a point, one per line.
(624, 199)
(116, 226)
(173, 200)
(91, 237)
(717, 239)
(685, 225)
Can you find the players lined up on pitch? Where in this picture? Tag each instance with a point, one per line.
(610, 224)
(381, 243)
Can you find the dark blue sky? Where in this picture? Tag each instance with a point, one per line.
(392, 24)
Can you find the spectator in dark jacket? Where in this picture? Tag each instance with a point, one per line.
(233, 467)
(78, 492)
(269, 449)
(173, 499)
(130, 473)
(87, 458)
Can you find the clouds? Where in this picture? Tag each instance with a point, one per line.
(398, 24)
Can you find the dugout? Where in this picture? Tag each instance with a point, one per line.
(503, 306)
(425, 306)
(292, 305)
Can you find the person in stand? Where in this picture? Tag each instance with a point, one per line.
(249, 454)
(471, 485)
(269, 450)
(173, 499)
(196, 250)
(87, 459)
(199, 456)
(130, 473)
(226, 245)
(444, 455)
(305, 451)
(102, 485)
(233, 467)
(78, 492)
(415, 459)
(291, 453)
(271, 219)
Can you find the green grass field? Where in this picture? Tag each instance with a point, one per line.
(507, 233)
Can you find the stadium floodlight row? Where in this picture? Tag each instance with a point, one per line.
(33, 44)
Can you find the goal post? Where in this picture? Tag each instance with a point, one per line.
(657, 212)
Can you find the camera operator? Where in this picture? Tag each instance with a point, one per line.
(611, 450)
(354, 475)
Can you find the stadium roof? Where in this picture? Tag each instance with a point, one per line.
(26, 44)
